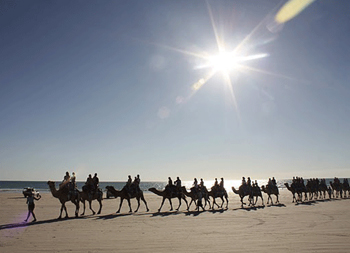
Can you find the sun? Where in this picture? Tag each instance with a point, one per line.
(224, 62)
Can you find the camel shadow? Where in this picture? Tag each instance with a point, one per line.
(112, 216)
(194, 213)
(33, 223)
(249, 208)
(167, 213)
(323, 200)
(217, 210)
(306, 203)
(277, 205)
(17, 198)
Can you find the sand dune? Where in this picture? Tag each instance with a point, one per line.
(317, 226)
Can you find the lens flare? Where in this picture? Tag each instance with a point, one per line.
(291, 9)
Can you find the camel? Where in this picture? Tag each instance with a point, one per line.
(312, 190)
(322, 188)
(98, 195)
(346, 189)
(62, 195)
(270, 191)
(217, 193)
(256, 192)
(197, 197)
(251, 192)
(166, 194)
(124, 194)
(242, 193)
(295, 191)
(337, 188)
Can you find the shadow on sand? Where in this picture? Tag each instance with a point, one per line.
(17, 198)
(249, 208)
(27, 224)
(166, 213)
(117, 215)
(277, 205)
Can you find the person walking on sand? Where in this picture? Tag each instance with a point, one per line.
(31, 205)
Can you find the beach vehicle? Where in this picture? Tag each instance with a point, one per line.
(29, 190)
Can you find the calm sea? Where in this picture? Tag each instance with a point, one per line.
(41, 186)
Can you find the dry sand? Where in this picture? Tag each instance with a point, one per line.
(319, 226)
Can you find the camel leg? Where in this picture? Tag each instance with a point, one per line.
(190, 203)
(83, 201)
(161, 205)
(93, 212)
(130, 211)
(207, 200)
(62, 207)
(177, 209)
(242, 203)
(185, 202)
(120, 205)
(77, 208)
(226, 197)
(250, 201)
(209, 203)
(100, 202)
(222, 201)
(268, 200)
(171, 204)
(144, 201)
(214, 202)
(138, 205)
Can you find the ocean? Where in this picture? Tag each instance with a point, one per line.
(41, 186)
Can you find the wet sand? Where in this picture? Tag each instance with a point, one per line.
(316, 226)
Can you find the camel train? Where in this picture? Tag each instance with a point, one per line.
(198, 194)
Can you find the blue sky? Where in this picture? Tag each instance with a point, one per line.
(106, 87)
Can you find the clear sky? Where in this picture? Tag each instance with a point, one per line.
(107, 87)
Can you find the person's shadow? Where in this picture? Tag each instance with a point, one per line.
(27, 224)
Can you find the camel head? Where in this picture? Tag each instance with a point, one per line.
(51, 183)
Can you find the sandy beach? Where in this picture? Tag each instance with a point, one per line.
(317, 226)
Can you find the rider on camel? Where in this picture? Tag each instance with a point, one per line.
(178, 184)
(195, 185)
(95, 181)
(221, 185)
(249, 182)
(169, 187)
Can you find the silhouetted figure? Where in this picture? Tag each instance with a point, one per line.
(221, 185)
(65, 181)
(201, 183)
(170, 187)
(31, 205)
(136, 184)
(178, 184)
(195, 185)
(95, 182)
(249, 182)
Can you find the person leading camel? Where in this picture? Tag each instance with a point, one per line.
(31, 205)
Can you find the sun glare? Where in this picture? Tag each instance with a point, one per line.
(224, 61)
